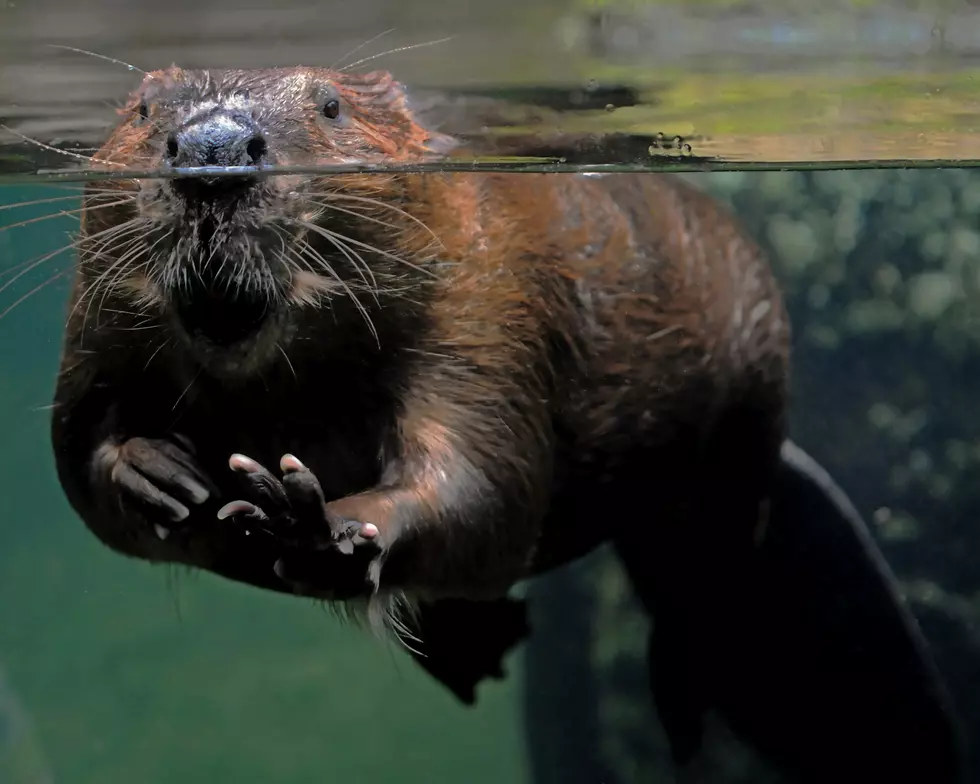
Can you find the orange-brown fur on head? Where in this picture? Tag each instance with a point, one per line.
(378, 126)
(281, 243)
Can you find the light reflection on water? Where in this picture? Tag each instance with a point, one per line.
(782, 84)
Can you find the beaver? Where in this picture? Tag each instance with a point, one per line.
(462, 380)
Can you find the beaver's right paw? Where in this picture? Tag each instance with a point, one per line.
(158, 478)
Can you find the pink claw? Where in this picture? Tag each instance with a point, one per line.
(239, 462)
(369, 530)
(235, 507)
(291, 463)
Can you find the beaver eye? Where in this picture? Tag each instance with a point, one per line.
(144, 110)
(331, 109)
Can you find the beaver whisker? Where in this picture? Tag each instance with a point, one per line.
(314, 254)
(286, 357)
(59, 214)
(314, 259)
(308, 288)
(386, 254)
(359, 215)
(34, 291)
(82, 188)
(395, 51)
(35, 202)
(360, 46)
(88, 255)
(31, 264)
(131, 226)
(156, 351)
(363, 268)
(141, 327)
(221, 267)
(245, 277)
(338, 243)
(75, 187)
(103, 201)
(366, 246)
(129, 264)
(378, 221)
(187, 388)
(91, 245)
(339, 196)
(347, 289)
(121, 312)
(82, 149)
(154, 257)
(178, 280)
(399, 606)
(124, 266)
(130, 66)
(51, 148)
(286, 252)
(110, 197)
(144, 312)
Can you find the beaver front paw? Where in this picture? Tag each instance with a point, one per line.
(156, 478)
(322, 553)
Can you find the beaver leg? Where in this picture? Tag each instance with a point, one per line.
(461, 643)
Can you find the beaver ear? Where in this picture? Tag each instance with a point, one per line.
(383, 88)
(394, 96)
(136, 96)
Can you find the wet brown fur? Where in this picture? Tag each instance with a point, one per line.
(566, 355)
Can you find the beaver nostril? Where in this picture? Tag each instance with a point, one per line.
(256, 149)
(220, 138)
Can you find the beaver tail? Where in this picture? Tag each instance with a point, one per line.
(814, 661)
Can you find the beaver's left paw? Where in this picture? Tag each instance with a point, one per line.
(321, 552)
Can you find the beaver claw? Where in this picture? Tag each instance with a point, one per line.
(293, 510)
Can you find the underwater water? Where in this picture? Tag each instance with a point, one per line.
(113, 670)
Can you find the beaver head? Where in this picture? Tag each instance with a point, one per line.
(229, 260)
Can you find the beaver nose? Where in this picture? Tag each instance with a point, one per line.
(219, 139)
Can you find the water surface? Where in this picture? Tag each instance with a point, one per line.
(747, 83)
